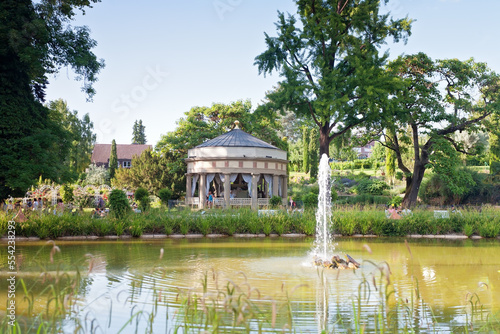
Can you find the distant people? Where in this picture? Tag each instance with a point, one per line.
(35, 204)
(10, 207)
(60, 207)
(393, 213)
(210, 200)
(29, 204)
(101, 203)
(19, 217)
(40, 203)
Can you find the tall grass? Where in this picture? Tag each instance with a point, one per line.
(346, 220)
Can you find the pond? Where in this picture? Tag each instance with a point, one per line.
(127, 282)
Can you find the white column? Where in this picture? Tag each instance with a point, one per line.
(188, 188)
(276, 185)
(227, 190)
(201, 190)
(284, 191)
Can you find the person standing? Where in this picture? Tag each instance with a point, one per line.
(210, 200)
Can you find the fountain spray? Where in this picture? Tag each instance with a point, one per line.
(323, 246)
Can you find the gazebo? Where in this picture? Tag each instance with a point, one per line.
(239, 169)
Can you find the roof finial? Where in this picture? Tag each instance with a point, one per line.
(236, 124)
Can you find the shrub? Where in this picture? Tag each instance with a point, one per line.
(396, 201)
(275, 201)
(67, 193)
(118, 203)
(310, 200)
(142, 196)
(371, 186)
(165, 194)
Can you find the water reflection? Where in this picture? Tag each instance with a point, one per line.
(125, 278)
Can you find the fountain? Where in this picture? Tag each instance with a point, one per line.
(323, 247)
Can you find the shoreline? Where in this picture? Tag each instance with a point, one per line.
(245, 235)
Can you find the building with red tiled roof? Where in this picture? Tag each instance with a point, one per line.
(365, 151)
(124, 152)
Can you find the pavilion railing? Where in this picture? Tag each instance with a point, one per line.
(241, 201)
(219, 202)
(263, 201)
(194, 201)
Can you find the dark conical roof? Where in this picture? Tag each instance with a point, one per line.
(236, 138)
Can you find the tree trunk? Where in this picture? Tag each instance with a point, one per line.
(324, 141)
(413, 185)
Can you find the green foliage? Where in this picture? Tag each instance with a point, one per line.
(314, 80)
(314, 152)
(436, 190)
(139, 133)
(305, 150)
(310, 200)
(153, 171)
(396, 201)
(37, 40)
(81, 136)
(378, 152)
(495, 168)
(165, 194)
(371, 186)
(390, 163)
(469, 88)
(445, 163)
(113, 160)
(67, 193)
(118, 203)
(275, 201)
(141, 195)
(357, 218)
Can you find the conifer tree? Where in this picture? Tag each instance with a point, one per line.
(113, 160)
(138, 133)
(305, 153)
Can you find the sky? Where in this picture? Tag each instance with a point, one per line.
(164, 57)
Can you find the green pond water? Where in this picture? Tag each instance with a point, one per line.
(120, 278)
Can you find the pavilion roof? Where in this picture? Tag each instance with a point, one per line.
(236, 138)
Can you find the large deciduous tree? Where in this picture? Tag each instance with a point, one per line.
(330, 61)
(435, 100)
(153, 171)
(81, 136)
(36, 40)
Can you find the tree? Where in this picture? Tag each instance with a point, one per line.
(37, 40)
(456, 95)
(153, 171)
(139, 133)
(81, 136)
(330, 63)
(97, 175)
(113, 160)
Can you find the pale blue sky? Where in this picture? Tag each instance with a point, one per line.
(164, 57)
